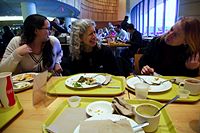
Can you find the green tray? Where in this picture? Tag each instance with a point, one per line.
(58, 87)
(168, 95)
(7, 115)
(165, 124)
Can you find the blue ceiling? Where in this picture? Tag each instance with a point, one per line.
(49, 8)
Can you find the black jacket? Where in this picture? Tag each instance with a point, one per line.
(100, 60)
(166, 59)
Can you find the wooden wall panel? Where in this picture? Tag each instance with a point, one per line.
(100, 10)
(101, 24)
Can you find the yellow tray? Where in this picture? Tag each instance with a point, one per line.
(8, 114)
(165, 124)
(58, 87)
(168, 95)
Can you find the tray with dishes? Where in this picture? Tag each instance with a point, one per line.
(6, 115)
(163, 92)
(99, 105)
(21, 86)
(23, 81)
(23, 77)
(89, 84)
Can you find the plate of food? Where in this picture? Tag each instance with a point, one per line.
(86, 80)
(113, 117)
(99, 108)
(24, 77)
(21, 86)
(151, 79)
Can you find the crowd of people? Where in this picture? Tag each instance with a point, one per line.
(38, 49)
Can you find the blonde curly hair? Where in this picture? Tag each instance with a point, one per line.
(78, 28)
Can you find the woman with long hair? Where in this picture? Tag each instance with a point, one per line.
(85, 54)
(34, 50)
(176, 52)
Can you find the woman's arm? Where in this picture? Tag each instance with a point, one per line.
(11, 58)
(58, 54)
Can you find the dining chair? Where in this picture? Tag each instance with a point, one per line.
(136, 62)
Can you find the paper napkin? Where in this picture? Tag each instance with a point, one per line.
(122, 107)
(68, 120)
(39, 89)
(106, 126)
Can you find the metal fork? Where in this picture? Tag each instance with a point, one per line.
(99, 84)
(143, 79)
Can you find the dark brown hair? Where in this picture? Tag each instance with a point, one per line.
(31, 23)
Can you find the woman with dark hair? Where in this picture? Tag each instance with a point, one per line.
(176, 52)
(34, 50)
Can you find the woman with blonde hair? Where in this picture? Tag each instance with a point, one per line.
(85, 54)
(176, 52)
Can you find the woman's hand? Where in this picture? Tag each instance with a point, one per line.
(57, 69)
(193, 62)
(23, 50)
(147, 70)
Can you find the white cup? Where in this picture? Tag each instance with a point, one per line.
(183, 93)
(74, 101)
(191, 84)
(7, 98)
(141, 90)
(146, 113)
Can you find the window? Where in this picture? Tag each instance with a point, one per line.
(154, 17)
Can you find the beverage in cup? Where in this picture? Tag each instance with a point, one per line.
(7, 98)
(192, 85)
(141, 90)
(146, 112)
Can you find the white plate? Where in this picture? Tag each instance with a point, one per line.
(73, 79)
(113, 117)
(21, 86)
(23, 77)
(153, 88)
(99, 108)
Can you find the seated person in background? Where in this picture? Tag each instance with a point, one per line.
(124, 23)
(56, 28)
(105, 30)
(135, 41)
(7, 35)
(34, 50)
(175, 53)
(110, 26)
(86, 56)
(121, 34)
(100, 34)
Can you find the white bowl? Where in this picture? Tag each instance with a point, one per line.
(99, 108)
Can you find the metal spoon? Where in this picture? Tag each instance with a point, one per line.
(139, 126)
(174, 99)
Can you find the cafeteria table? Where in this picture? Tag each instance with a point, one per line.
(185, 116)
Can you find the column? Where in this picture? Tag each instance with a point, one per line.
(67, 21)
(27, 8)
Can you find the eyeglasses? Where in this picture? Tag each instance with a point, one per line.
(45, 28)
